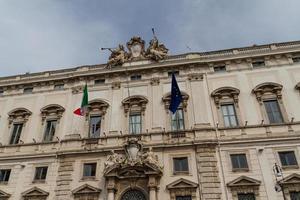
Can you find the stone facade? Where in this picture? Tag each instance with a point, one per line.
(239, 116)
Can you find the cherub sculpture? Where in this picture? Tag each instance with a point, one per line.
(156, 51)
(117, 57)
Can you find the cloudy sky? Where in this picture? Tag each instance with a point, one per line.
(39, 35)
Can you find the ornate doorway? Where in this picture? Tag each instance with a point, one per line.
(133, 194)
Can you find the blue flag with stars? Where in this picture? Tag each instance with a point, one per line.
(176, 97)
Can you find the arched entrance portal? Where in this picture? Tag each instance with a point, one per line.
(133, 194)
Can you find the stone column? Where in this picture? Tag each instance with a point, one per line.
(110, 194)
(152, 187)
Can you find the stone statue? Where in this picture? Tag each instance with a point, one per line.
(150, 157)
(118, 56)
(156, 51)
(113, 159)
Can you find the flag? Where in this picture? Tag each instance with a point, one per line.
(84, 103)
(176, 97)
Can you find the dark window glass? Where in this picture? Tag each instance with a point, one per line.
(260, 63)
(287, 158)
(59, 87)
(295, 195)
(229, 115)
(1, 92)
(40, 173)
(176, 73)
(99, 81)
(220, 68)
(296, 59)
(181, 164)
(184, 197)
(136, 77)
(16, 133)
(28, 90)
(50, 130)
(177, 120)
(273, 111)
(4, 175)
(135, 123)
(247, 196)
(95, 126)
(89, 169)
(239, 161)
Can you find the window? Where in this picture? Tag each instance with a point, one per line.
(50, 130)
(16, 133)
(59, 87)
(177, 120)
(135, 123)
(1, 92)
(184, 197)
(296, 59)
(273, 111)
(176, 73)
(239, 161)
(28, 90)
(40, 173)
(229, 115)
(247, 196)
(99, 81)
(181, 164)
(136, 77)
(95, 126)
(288, 158)
(4, 175)
(295, 195)
(89, 169)
(220, 68)
(260, 63)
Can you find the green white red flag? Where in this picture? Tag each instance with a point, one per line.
(84, 103)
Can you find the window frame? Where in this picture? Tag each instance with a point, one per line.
(177, 120)
(288, 166)
(180, 171)
(40, 179)
(239, 193)
(46, 127)
(11, 141)
(229, 116)
(89, 178)
(6, 181)
(28, 90)
(235, 169)
(131, 123)
(89, 132)
(59, 87)
(274, 121)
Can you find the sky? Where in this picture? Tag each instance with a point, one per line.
(42, 35)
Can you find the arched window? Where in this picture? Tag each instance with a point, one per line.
(51, 116)
(134, 109)
(95, 114)
(269, 97)
(177, 120)
(226, 100)
(17, 119)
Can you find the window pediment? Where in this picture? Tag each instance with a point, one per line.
(244, 181)
(291, 179)
(167, 100)
(181, 183)
(52, 110)
(35, 192)
(86, 189)
(98, 106)
(4, 195)
(137, 102)
(19, 114)
(224, 94)
(266, 89)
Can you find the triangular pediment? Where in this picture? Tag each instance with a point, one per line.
(182, 183)
(86, 189)
(35, 191)
(243, 181)
(4, 194)
(291, 179)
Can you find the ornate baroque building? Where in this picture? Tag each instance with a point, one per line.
(239, 116)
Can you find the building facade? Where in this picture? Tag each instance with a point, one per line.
(235, 136)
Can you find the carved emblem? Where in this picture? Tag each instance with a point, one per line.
(136, 47)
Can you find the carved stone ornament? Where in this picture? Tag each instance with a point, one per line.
(156, 51)
(137, 101)
(136, 47)
(167, 100)
(18, 114)
(134, 161)
(86, 190)
(35, 193)
(225, 93)
(266, 89)
(244, 185)
(4, 195)
(53, 110)
(118, 56)
(97, 106)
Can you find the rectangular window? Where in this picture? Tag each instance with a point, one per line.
(288, 158)
(135, 123)
(50, 130)
(239, 161)
(259, 63)
(95, 126)
(40, 173)
(59, 87)
(247, 196)
(221, 68)
(295, 195)
(181, 164)
(188, 197)
(16, 133)
(28, 90)
(296, 59)
(177, 120)
(4, 175)
(99, 81)
(89, 169)
(229, 115)
(176, 73)
(273, 111)
(1, 92)
(136, 77)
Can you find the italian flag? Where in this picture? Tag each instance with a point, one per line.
(84, 103)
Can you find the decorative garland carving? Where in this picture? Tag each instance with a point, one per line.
(18, 114)
(267, 89)
(135, 101)
(52, 110)
(224, 93)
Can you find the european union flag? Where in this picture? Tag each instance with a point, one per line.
(176, 97)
